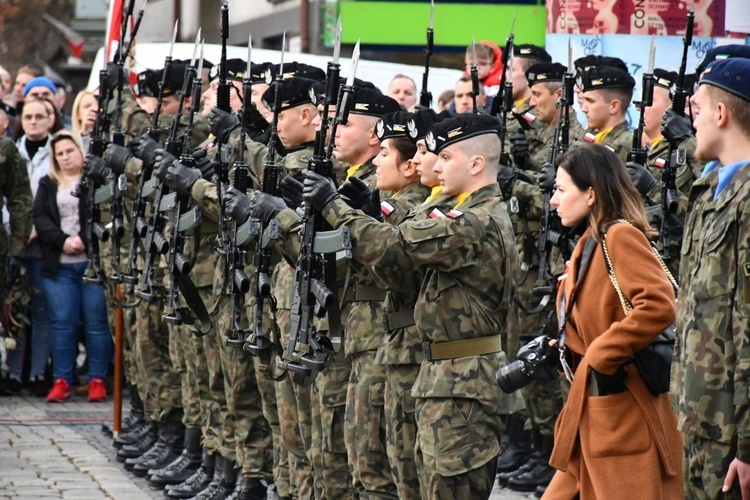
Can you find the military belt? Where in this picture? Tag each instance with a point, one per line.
(461, 348)
(365, 293)
(400, 319)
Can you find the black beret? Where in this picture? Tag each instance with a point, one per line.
(422, 120)
(691, 80)
(531, 51)
(372, 102)
(604, 77)
(731, 75)
(459, 128)
(175, 78)
(664, 78)
(392, 125)
(294, 92)
(147, 84)
(588, 62)
(722, 52)
(259, 73)
(545, 72)
(236, 69)
(295, 68)
(319, 89)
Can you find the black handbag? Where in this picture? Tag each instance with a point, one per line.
(654, 361)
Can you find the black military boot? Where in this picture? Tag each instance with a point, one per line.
(171, 437)
(198, 482)
(182, 467)
(250, 489)
(542, 472)
(225, 485)
(133, 436)
(517, 449)
(135, 417)
(141, 446)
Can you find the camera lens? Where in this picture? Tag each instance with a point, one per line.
(512, 377)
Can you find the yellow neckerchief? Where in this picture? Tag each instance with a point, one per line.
(461, 198)
(521, 102)
(436, 191)
(352, 170)
(598, 138)
(656, 142)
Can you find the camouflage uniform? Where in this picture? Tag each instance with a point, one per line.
(470, 262)
(619, 139)
(710, 371)
(540, 140)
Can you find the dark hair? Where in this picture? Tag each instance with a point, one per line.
(615, 197)
(622, 94)
(57, 124)
(405, 148)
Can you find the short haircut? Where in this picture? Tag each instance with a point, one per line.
(483, 52)
(446, 96)
(527, 62)
(551, 86)
(465, 79)
(30, 70)
(405, 77)
(738, 107)
(485, 145)
(622, 94)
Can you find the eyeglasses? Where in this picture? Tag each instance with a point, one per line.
(35, 117)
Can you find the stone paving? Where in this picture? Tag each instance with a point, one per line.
(60, 451)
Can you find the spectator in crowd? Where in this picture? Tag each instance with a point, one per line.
(59, 99)
(463, 101)
(24, 75)
(445, 99)
(59, 220)
(7, 83)
(489, 65)
(404, 90)
(83, 116)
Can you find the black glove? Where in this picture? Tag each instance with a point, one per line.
(506, 178)
(180, 177)
(204, 164)
(116, 157)
(519, 148)
(222, 123)
(319, 190)
(95, 169)
(238, 205)
(163, 160)
(291, 191)
(359, 196)
(676, 128)
(254, 117)
(144, 147)
(610, 384)
(266, 206)
(641, 177)
(14, 270)
(547, 177)
(112, 77)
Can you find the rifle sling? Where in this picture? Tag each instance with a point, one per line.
(201, 323)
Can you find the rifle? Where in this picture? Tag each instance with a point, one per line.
(474, 76)
(669, 197)
(425, 96)
(507, 53)
(270, 233)
(240, 235)
(222, 102)
(560, 141)
(307, 352)
(156, 242)
(638, 153)
(139, 227)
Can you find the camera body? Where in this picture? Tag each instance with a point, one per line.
(537, 361)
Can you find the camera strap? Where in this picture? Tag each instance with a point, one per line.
(567, 309)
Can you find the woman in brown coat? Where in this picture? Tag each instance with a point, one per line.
(613, 439)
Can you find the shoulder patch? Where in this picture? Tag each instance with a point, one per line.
(386, 208)
(423, 224)
(436, 214)
(589, 137)
(660, 162)
(454, 214)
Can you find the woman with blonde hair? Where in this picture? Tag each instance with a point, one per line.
(85, 107)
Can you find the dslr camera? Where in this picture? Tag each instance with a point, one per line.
(537, 360)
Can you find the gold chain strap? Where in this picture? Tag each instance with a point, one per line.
(626, 306)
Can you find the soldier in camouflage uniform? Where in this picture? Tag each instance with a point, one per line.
(469, 248)
(710, 371)
(524, 57)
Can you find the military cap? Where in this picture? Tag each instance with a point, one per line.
(147, 84)
(604, 77)
(318, 89)
(421, 121)
(295, 91)
(173, 82)
(664, 78)
(235, 70)
(691, 82)
(295, 68)
(588, 62)
(392, 125)
(731, 75)
(722, 52)
(531, 51)
(459, 128)
(259, 72)
(545, 72)
(372, 102)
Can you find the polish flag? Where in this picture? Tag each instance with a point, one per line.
(114, 25)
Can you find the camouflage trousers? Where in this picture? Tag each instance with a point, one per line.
(365, 428)
(401, 428)
(218, 424)
(704, 466)
(458, 440)
(295, 420)
(332, 477)
(161, 383)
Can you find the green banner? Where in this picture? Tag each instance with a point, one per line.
(405, 23)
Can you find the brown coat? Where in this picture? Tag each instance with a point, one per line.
(623, 445)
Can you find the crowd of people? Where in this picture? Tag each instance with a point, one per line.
(501, 270)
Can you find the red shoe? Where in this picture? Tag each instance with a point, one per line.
(60, 391)
(97, 390)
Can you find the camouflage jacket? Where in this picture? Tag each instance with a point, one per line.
(469, 264)
(658, 158)
(540, 141)
(14, 183)
(711, 368)
(619, 139)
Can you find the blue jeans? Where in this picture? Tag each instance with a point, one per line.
(40, 327)
(72, 302)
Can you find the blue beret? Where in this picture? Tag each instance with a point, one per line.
(732, 75)
(459, 128)
(722, 52)
(39, 81)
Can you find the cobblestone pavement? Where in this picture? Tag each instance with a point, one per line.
(60, 451)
